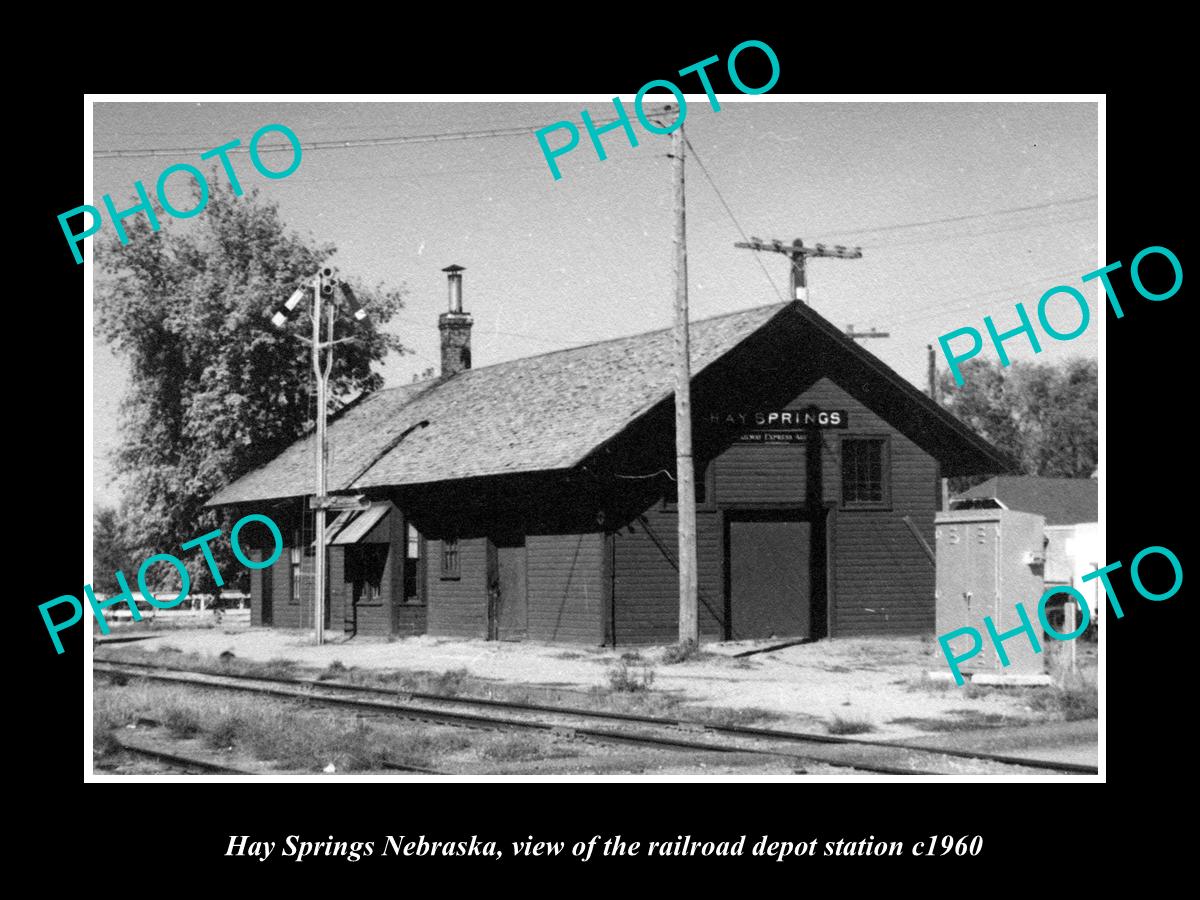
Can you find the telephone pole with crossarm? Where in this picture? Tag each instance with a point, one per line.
(799, 255)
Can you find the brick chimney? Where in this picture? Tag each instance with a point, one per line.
(455, 327)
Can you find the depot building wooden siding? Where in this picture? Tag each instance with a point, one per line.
(544, 491)
(276, 602)
(880, 579)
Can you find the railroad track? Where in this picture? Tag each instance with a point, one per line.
(638, 729)
(179, 760)
(192, 763)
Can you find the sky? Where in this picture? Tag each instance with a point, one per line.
(961, 210)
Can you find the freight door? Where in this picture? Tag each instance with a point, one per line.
(770, 577)
(512, 604)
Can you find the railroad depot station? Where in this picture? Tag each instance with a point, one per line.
(534, 499)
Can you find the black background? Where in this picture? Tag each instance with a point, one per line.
(176, 834)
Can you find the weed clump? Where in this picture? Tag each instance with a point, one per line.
(625, 678)
(335, 669)
(180, 721)
(280, 667)
(1074, 700)
(685, 652)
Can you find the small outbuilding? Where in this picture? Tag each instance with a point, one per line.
(1071, 508)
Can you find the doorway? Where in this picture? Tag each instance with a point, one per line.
(508, 607)
(772, 587)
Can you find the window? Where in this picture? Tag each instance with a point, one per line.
(295, 558)
(412, 566)
(450, 558)
(365, 565)
(865, 481)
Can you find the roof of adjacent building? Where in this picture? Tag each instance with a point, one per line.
(1062, 501)
(539, 413)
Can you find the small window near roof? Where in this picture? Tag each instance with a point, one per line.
(865, 481)
(450, 557)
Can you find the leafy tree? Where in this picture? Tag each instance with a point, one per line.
(216, 390)
(110, 550)
(1044, 415)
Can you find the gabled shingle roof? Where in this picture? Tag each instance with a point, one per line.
(547, 413)
(540, 413)
(1063, 501)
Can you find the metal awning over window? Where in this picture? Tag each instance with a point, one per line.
(358, 524)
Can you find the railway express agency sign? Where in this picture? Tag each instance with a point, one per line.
(775, 426)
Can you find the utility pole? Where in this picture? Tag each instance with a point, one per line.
(689, 626)
(855, 335)
(324, 289)
(323, 284)
(798, 254)
(944, 503)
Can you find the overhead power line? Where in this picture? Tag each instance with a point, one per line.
(732, 217)
(1001, 229)
(963, 218)
(350, 144)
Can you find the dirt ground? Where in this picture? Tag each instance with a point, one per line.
(880, 683)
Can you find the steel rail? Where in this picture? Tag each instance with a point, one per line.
(467, 719)
(176, 759)
(730, 730)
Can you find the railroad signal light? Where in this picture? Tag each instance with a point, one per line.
(327, 282)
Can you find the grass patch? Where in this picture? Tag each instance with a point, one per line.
(925, 684)
(287, 734)
(624, 678)
(521, 748)
(449, 682)
(104, 744)
(847, 725)
(960, 720)
(634, 695)
(1075, 699)
(725, 715)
